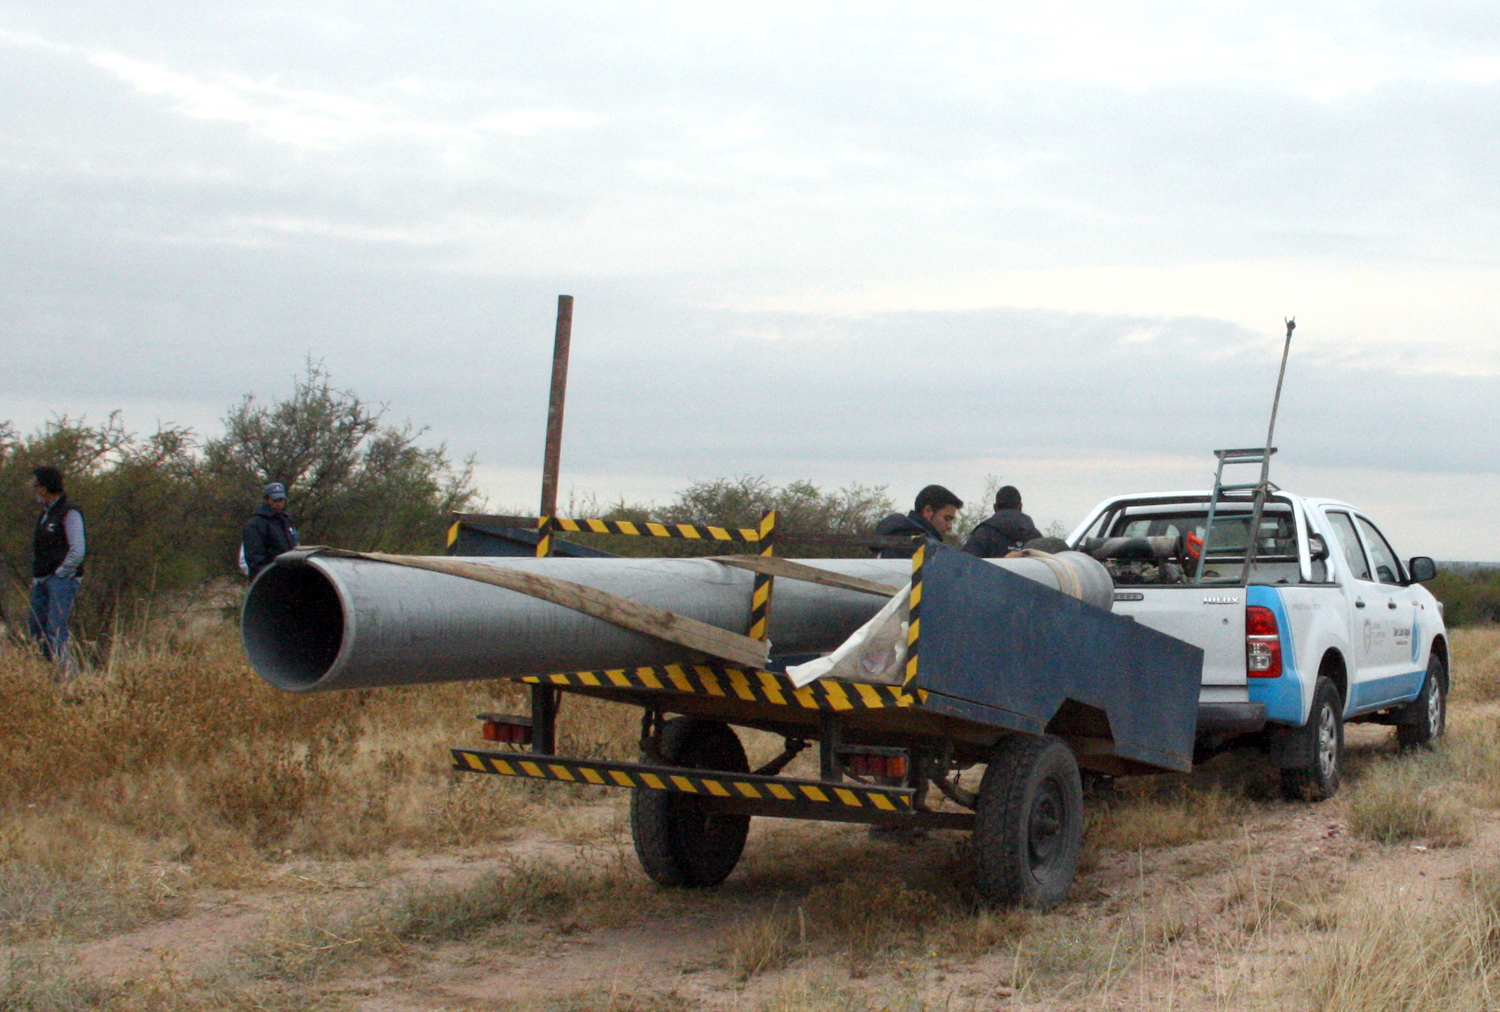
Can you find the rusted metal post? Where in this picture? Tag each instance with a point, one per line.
(555, 404)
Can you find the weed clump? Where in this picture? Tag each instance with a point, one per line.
(1148, 815)
(1401, 799)
(1395, 953)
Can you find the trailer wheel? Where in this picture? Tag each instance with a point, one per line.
(1322, 744)
(1426, 717)
(1028, 824)
(678, 841)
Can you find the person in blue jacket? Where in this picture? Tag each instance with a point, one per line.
(932, 516)
(269, 531)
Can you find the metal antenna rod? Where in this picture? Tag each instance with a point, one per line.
(1265, 465)
(1263, 488)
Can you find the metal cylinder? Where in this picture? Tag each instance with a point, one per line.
(323, 622)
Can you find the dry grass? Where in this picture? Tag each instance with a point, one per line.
(1409, 798)
(825, 992)
(1476, 665)
(312, 942)
(610, 1000)
(196, 774)
(1259, 901)
(174, 765)
(1153, 812)
(850, 904)
(44, 982)
(297, 957)
(1400, 952)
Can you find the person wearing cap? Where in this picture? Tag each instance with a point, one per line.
(269, 532)
(58, 547)
(1005, 531)
(931, 517)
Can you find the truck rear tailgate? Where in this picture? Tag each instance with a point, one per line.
(1212, 618)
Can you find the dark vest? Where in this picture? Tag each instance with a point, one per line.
(49, 545)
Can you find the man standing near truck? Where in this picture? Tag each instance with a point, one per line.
(58, 548)
(269, 531)
(1005, 531)
(931, 517)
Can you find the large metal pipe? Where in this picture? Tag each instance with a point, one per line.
(323, 622)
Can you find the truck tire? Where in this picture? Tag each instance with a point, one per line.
(1028, 824)
(678, 841)
(1424, 719)
(1323, 744)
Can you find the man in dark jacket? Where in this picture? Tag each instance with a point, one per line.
(57, 551)
(931, 517)
(1004, 532)
(269, 532)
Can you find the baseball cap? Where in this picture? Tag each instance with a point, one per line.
(276, 490)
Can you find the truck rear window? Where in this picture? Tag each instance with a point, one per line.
(1278, 535)
(1224, 562)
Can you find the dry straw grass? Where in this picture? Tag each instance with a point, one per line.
(848, 900)
(175, 758)
(174, 767)
(305, 943)
(1401, 951)
(1410, 798)
(1153, 812)
(1476, 665)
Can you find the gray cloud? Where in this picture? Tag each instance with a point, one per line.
(194, 201)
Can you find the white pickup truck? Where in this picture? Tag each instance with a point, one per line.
(1332, 628)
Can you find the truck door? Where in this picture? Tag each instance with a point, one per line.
(1371, 627)
(1401, 678)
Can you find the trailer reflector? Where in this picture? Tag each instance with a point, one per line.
(509, 729)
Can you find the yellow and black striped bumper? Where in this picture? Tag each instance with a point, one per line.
(735, 683)
(710, 784)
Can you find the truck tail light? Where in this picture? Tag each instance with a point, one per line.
(1262, 643)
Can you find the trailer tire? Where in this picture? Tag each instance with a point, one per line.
(1028, 824)
(1425, 718)
(678, 841)
(1322, 744)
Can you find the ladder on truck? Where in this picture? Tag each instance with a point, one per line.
(1228, 458)
(1250, 455)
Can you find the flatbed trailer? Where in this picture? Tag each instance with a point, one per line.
(1000, 671)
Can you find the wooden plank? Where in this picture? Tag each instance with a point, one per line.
(621, 611)
(771, 566)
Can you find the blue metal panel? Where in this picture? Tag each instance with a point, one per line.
(1282, 696)
(1004, 650)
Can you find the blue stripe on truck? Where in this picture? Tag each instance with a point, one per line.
(1378, 692)
(1281, 696)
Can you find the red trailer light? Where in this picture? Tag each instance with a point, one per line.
(1262, 643)
(506, 729)
(862, 764)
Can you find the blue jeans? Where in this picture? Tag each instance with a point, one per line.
(51, 604)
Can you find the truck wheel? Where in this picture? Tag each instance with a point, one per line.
(1424, 719)
(1323, 743)
(678, 841)
(1028, 824)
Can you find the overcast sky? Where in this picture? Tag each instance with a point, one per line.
(876, 243)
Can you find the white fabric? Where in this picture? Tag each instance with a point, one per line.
(876, 653)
